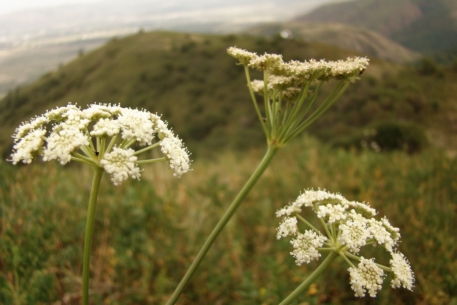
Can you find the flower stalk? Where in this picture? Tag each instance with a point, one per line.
(311, 278)
(271, 152)
(98, 173)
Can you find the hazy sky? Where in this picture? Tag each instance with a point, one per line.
(7, 6)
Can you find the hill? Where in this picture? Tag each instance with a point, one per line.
(200, 90)
(343, 36)
(189, 78)
(420, 25)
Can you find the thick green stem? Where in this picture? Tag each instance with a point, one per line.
(332, 255)
(223, 221)
(89, 229)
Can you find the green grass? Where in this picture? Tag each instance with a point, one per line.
(147, 232)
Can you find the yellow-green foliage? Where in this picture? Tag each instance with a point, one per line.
(147, 232)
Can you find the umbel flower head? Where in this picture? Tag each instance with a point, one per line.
(347, 227)
(290, 89)
(102, 135)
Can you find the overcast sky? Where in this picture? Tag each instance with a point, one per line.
(7, 6)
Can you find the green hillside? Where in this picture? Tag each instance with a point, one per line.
(200, 90)
(420, 25)
(344, 36)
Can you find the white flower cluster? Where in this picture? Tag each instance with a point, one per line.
(120, 163)
(349, 225)
(366, 276)
(306, 245)
(292, 75)
(73, 131)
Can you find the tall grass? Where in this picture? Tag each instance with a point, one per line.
(147, 232)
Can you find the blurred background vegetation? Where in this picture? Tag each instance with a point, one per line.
(390, 140)
(147, 232)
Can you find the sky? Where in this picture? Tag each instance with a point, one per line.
(7, 6)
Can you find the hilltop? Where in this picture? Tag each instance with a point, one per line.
(200, 90)
(420, 25)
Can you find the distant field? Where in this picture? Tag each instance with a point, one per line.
(23, 65)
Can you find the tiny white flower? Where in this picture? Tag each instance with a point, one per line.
(305, 247)
(354, 234)
(136, 124)
(120, 163)
(380, 234)
(333, 212)
(403, 275)
(243, 56)
(25, 128)
(27, 146)
(177, 155)
(362, 208)
(394, 232)
(266, 61)
(366, 277)
(287, 227)
(62, 142)
(309, 197)
(98, 111)
(257, 86)
(59, 113)
(105, 127)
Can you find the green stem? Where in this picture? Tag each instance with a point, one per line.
(358, 259)
(308, 224)
(319, 112)
(89, 229)
(151, 160)
(101, 151)
(347, 260)
(146, 148)
(223, 221)
(330, 236)
(85, 160)
(254, 100)
(111, 144)
(266, 100)
(128, 143)
(332, 255)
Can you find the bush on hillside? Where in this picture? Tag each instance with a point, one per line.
(386, 136)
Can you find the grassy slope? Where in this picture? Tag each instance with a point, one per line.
(201, 91)
(343, 36)
(188, 78)
(420, 25)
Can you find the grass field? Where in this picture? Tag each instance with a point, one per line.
(147, 232)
